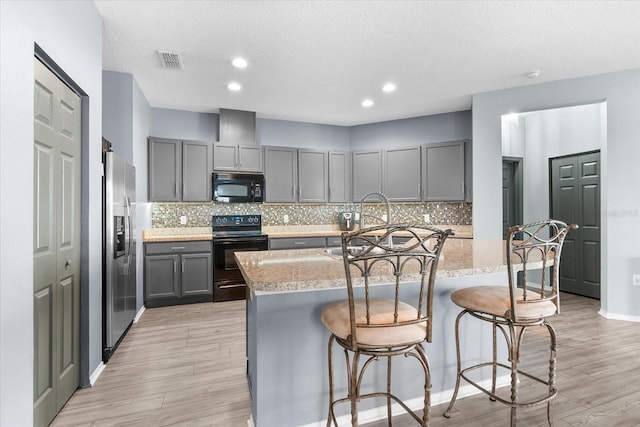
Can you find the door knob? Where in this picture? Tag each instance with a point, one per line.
(67, 264)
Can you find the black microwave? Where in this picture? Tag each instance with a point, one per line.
(238, 187)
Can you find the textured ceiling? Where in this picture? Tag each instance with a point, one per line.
(315, 61)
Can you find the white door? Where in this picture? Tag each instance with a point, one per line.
(56, 246)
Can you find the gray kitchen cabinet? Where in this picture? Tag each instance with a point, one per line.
(367, 173)
(237, 157)
(444, 177)
(313, 176)
(281, 174)
(196, 171)
(165, 170)
(180, 170)
(296, 243)
(178, 273)
(402, 174)
(339, 176)
(334, 241)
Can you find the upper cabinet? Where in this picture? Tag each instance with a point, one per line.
(444, 177)
(237, 157)
(313, 176)
(402, 174)
(179, 170)
(367, 173)
(296, 175)
(339, 176)
(280, 174)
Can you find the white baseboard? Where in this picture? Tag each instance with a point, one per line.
(94, 377)
(380, 412)
(613, 316)
(138, 314)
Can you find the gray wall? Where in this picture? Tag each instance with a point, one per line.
(126, 121)
(178, 124)
(619, 156)
(141, 127)
(413, 131)
(71, 34)
(302, 135)
(117, 112)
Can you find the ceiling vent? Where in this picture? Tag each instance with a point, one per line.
(171, 60)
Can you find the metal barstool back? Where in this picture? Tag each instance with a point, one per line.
(384, 327)
(533, 260)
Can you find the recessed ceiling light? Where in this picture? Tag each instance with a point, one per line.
(239, 62)
(389, 87)
(367, 103)
(533, 74)
(234, 86)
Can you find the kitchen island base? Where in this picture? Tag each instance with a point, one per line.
(287, 355)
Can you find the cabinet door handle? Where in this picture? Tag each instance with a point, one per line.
(299, 243)
(174, 267)
(182, 267)
(176, 188)
(177, 248)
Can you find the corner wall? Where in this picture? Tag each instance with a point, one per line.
(620, 156)
(71, 34)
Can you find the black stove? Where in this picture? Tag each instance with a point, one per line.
(233, 233)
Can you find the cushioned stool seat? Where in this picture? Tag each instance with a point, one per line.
(495, 300)
(336, 318)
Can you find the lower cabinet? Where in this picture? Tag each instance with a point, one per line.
(296, 242)
(177, 273)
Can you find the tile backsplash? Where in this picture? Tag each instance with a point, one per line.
(165, 215)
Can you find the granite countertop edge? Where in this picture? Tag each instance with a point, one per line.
(284, 231)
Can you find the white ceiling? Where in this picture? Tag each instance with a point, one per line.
(315, 61)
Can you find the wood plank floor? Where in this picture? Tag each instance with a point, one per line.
(184, 365)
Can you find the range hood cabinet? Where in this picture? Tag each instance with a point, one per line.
(237, 127)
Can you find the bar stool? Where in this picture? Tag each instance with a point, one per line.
(384, 327)
(533, 252)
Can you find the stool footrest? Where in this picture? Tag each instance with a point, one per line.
(498, 398)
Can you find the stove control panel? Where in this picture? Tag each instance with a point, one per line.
(225, 221)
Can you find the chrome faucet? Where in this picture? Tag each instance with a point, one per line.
(384, 198)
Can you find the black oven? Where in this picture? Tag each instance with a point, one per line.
(233, 233)
(237, 187)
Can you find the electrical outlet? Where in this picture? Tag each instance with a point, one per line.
(183, 219)
(285, 219)
(427, 218)
(636, 279)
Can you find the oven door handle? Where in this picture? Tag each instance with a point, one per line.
(231, 241)
(239, 285)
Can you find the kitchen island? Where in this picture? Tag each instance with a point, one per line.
(287, 343)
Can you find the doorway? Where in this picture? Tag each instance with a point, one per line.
(575, 198)
(57, 243)
(511, 193)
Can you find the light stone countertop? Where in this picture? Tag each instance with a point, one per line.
(176, 234)
(277, 231)
(327, 230)
(309, 269)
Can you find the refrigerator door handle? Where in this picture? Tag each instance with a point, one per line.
(127, 203)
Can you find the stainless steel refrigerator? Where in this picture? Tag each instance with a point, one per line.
(119, 252)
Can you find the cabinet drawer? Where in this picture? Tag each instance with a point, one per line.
(334, 241)
(297, 243)
(177, 247)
